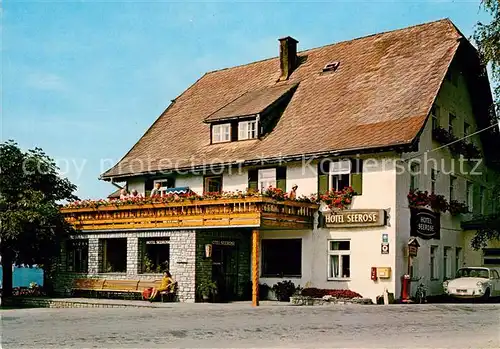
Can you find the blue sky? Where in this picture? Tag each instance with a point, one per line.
(84, 80)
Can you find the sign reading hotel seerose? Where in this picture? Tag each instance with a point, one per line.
(355, 218)
(425, 223)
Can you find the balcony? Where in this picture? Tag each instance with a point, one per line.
(260, 212)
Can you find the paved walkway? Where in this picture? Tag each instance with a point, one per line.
(98, 302)
(273, 325)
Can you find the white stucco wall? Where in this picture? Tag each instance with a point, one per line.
(136, 183)
(304, 175)
(455, 100)
(234, 180)
(195, 183)
(365, 243)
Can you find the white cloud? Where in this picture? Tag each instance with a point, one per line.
(46, 82)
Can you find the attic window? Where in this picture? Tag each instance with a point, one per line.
(332, 66)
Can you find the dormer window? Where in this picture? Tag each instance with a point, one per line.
(247, 130)
(221, 133)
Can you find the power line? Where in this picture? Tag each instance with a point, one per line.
(448, 144)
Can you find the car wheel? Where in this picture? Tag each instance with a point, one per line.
(486, 296)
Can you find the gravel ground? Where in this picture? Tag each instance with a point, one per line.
(269, 326)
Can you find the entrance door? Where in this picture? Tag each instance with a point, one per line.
(225, 271)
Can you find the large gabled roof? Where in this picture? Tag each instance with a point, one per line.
(379, 96)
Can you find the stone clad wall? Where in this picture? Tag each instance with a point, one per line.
(183, 263)
(182, 260)
(204, 265)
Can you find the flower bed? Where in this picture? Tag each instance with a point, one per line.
(319, 293)
(316, 296)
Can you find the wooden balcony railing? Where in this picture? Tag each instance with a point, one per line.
(262, 212)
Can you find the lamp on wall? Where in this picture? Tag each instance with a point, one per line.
(208, 250)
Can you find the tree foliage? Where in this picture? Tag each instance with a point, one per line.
(487, 38)
(31, 225)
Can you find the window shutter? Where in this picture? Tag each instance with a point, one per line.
(476, 198)
(253, 180)
(323, 170)
(357, 176)
(281, 178)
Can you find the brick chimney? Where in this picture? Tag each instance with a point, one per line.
(288, 57)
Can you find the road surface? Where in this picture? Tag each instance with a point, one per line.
(269, 326)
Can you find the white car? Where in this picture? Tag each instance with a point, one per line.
(474, 282)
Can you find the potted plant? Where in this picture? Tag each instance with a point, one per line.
(207, 289)
(284, 290)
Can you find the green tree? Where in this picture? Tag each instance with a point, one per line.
(487, 38)
(31, 225)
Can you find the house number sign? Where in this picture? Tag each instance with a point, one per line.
(355, 218)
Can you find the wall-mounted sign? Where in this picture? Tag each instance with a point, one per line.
(385, 237)
(224, 242)
(355, 218)
(413, 246)
(157, 242)
(384, 248)
(425, 223)
(412, 251)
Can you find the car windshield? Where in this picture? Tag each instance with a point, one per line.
(472, 273)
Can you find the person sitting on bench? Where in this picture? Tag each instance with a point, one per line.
(167, 284)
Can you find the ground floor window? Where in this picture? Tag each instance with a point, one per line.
(281, 257)
(447, 272)
(113, 255)
(339, 259)
(155, 254)
(491, 256)
(77, 255)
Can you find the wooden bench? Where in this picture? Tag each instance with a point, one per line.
(125, 287)
(90, 285)
(170, 294)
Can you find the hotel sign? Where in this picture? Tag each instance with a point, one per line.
(355, 218)
(425, 224)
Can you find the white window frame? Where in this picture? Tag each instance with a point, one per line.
(221, 133)
(267, 178)
(434, 178)
(414, 175)
(434, 116)
(452, 119)
(337, 169)
(469, 192)
(447, 266)
(467, 129)
(338, 253)
(163, 188)
(247, 130)
(453, 183)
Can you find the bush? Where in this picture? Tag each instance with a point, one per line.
(284, 290)
(320, 293)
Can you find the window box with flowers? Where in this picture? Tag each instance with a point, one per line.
(457, 146)
(338, 199)
(438, 203)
